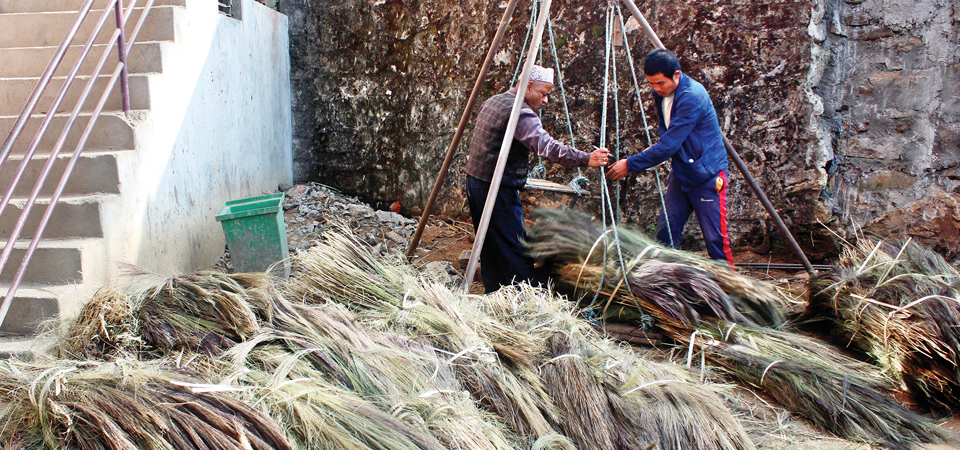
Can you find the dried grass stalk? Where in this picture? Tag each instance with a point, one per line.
(900, 305)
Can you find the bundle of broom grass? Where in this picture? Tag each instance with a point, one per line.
(203, 312)
(898, 303)
(340, 386)
(125, 404)
(587, 258)
(692, 305)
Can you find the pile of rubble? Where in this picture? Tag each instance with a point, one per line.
(311, 208)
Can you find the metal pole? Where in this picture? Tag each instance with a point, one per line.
(52, 66)
(733, 155)
(643, 23)
(122, 55)
(441, 177)
(505, 147)
(768, 206)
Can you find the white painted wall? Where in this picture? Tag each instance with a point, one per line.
(219, 128)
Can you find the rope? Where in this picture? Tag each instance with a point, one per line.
(603, 140)
(526, 40)
(606, 200)
(606, 203)
(616, 133)
(580, 180)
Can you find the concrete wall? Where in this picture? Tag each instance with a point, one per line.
(219, 128)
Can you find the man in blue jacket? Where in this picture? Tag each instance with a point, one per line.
(690, 136)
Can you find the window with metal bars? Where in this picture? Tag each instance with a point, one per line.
(231, 8)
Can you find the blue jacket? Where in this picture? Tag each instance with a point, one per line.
(694, 140)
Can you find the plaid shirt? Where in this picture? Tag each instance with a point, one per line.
(488, 136)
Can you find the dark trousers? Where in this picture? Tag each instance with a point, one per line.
(503, 259)
(710, 205)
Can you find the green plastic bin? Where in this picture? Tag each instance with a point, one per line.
(255, 233)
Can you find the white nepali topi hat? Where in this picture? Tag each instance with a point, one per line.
(540, 73)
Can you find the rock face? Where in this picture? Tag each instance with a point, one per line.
(891, 116)
(844, 111)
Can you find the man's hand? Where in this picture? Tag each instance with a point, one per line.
(599, 157)
(618, 170)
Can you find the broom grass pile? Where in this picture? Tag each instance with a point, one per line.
(693, 306)
(900, 305)
(358, 353)
(502, 348)
(105, 329)
(123, 404)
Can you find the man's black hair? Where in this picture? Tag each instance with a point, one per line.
(661, 61)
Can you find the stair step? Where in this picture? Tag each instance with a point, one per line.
(25, 6)
(95, 173)
(71, 218)
(54, 262)
(23, 348)
(40, 29)
(145, 57)
(14, 93)
(28, 309)
(112, 131)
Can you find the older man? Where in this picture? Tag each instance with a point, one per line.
(690, 136)
(502, 259)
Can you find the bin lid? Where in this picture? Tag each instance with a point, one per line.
(253, 206)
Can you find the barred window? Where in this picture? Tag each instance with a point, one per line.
(231, 8)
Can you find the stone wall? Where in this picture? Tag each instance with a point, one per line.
(819, 97)
(891, 116)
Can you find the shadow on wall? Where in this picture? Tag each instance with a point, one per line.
(226, 136)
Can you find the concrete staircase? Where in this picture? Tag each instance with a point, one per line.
(210, 122)
(69, 263)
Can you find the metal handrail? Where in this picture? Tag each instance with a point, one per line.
(122, 15)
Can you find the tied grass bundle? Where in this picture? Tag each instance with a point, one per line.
(342, 270)
(590, 419)
(123, 405)
(587, 259)
(681, 412)
(850, 398)
(204, 312)
(834, 392)
(900, 305)
(105, 329)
